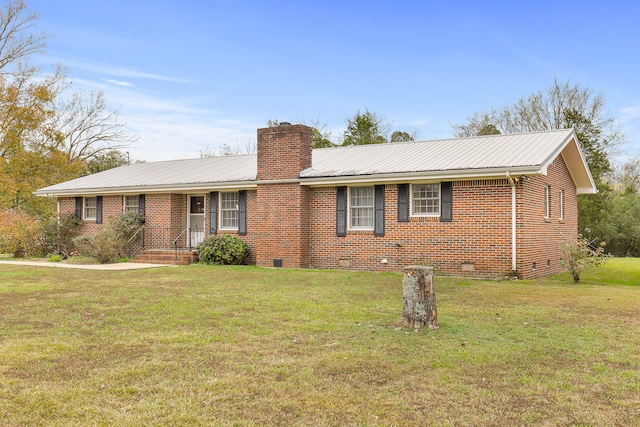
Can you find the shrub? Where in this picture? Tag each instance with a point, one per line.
(581, 254)
(58, 234)
(224, 249)
(19, 233)
(111, 243)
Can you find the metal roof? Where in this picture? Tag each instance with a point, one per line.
(493, 155)
(483, 152)
(162, 176)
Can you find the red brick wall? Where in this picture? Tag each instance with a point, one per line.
(111, 207)
(539, 238)
(480, 233)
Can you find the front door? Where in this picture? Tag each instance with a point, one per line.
(196, 220)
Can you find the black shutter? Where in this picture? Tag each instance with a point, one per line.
(213, 213)
(78, 207)
(242, 213)
(403, 202)
(378, 215)
(341, 211)
(141, 205)
(99, 210)
(445, 201)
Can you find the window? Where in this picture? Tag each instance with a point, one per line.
(229, 211)
(546, 201)
(560, 204)
(361, 208)
(90, 207)
(131, 204)
(425, 199)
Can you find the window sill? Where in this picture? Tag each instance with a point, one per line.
(360, 231)
(227, 230)
(430, 218)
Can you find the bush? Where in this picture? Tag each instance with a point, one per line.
(58, 234)
(224, 249)
(111, 243)
(19, 233)
(581, 254)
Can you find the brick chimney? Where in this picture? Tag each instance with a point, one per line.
(282, 238)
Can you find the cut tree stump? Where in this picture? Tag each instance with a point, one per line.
(419, 298)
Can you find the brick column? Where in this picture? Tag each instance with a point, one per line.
(282, 203)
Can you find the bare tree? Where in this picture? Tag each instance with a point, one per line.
(85, 129)
(17, 42)
(626, 176)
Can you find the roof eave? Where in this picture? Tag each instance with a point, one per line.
(147, 189)
(451, 175)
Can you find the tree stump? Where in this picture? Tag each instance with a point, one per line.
(419, 298)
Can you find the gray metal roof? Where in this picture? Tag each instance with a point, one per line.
(174, 175)
(460, 157)
(484, 152)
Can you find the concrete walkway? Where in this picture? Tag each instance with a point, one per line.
(119, 266)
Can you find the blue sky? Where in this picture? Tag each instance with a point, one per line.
(192, 75)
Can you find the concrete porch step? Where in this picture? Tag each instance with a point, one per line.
(166, 256)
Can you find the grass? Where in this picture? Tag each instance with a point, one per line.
(244, 346)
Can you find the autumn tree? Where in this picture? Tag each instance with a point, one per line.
(47, 135)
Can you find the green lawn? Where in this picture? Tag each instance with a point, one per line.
(205, 345)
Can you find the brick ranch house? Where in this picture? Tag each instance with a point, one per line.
(481, 206)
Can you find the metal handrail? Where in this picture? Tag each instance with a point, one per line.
(135, 234)
(139, 230)
(175, 241)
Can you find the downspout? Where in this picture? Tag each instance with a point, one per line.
(513, 183)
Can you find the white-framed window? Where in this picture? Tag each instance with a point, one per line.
(131, 204)
(90, 208)
(425, 199)
(546, 201)
(361, 201)
(561, 204)
(229, 211)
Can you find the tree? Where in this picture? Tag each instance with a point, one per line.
(366, 128)
(16, 40)
(620, 226)
(626, 177)
(46, 134)
(399, 136)
(227, 149)
(581, 254)
(561, 106)
(108, 160)
(489, 129)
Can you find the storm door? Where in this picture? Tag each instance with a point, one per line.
(196, 220)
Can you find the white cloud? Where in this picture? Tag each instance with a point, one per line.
(177, 136)
(124, 72)
(118, 82)
(630, 113)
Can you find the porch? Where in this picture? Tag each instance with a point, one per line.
(158, 245)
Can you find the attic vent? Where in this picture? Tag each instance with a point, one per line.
(284, 124)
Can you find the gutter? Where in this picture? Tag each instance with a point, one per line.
(452, 175)
(513, 182)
